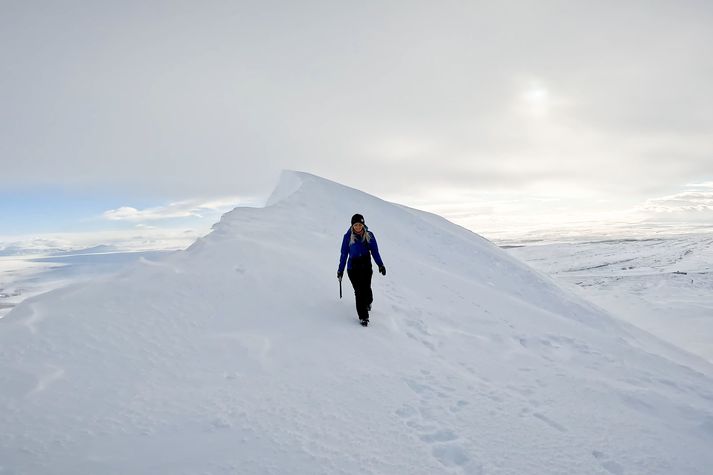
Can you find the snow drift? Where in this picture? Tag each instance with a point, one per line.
(237, 356)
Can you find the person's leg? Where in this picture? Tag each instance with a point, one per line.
(361, 280)
(368, 294)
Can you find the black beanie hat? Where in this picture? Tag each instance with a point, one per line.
(357, 218)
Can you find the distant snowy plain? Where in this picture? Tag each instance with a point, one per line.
(29, 275)
(663, 284)
(237, 356)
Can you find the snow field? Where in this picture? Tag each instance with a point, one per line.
(237, 356)
(662, 285)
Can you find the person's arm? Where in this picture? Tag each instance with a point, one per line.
(344, 254)
(374, 247)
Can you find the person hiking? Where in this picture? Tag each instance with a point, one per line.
(358, 245)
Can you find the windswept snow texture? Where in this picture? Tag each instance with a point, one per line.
(237, 356)
(25, 277)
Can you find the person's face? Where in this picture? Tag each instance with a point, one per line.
(358, 227)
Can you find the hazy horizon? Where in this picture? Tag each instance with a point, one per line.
(183, 222)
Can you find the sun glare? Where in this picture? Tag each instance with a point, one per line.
(537, 95)
(537, 99)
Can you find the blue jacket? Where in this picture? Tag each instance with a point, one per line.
(359, 249)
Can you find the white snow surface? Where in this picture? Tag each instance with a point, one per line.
(663, 285)
(237, 356)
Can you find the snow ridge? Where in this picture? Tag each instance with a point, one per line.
(237, 356)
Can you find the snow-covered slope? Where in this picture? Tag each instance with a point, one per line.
(237, 356)
(25, 277)
(662, 285)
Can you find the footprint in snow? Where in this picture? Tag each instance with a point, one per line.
(550, 422)
(455, 456)
(458, 406)
(439, 436)
(406, 412)
(608, 465)
(444, 443)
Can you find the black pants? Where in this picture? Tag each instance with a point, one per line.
(361, 281)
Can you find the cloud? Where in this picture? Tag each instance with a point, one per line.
(127, 213)
(692, 205)
(177, 210)
(217, 98)
(452, 108)
(120, 240)
(686, 201)
(707, 185)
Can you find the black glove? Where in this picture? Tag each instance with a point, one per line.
(339, 275)
(382, 270)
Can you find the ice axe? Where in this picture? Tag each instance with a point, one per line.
(340, 287)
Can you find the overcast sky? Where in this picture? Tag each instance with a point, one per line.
(490, 113)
